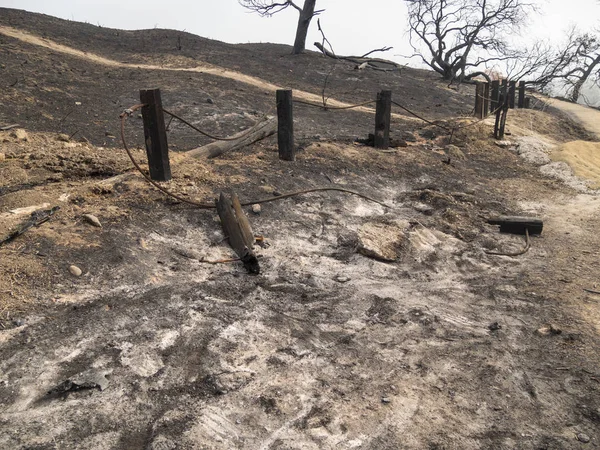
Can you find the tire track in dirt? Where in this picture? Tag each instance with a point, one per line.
(204, 68)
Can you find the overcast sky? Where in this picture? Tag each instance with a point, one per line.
(352, 27)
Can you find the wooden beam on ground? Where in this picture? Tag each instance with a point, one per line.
(285, 125)
(233, 232)
(518, 224)
(155, 135)
(383, 115)
(263, 129)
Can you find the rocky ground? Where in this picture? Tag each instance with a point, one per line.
(369, 326)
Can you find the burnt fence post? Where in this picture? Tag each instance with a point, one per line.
(155, 135)
(512, 88)
(383, 116)
(285, 125)
(521, 94)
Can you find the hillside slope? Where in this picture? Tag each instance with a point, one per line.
(412, 324)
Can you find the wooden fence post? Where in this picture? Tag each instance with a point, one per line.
(479, 100)
(383, 116)
(501, 111)
(155, 135)
(521, 94)
(511, 94)
(285, 125)
(486, 99)
(495, 95)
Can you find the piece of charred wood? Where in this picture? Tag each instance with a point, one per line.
(237, 230)
(518, 224)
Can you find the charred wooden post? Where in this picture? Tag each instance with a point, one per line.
(501, 111)
(512, 88)
(517, 224)
(486, 99)
(236, 228)
(155, 134)
(527, 103)
(479, 89)
(495, 100)
(383, 116)
(521, 103)
(285, 125)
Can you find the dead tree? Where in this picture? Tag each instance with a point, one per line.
(267, 8)
(573, 65)
(457, 37)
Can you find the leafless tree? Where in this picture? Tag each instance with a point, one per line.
(577, 62)
(306, 12)
(457, 38)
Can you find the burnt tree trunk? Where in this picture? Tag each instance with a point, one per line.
(579, 83)
(306, 15)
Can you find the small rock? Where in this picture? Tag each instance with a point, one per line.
(76, 271)
(63, 137)
(256, 209)
(210, 101)
(342, 279)
(548, 330)
(277, 194)
(386, 400)
(503, 144)
(423, 208)
(495, 326)
(20, 134)
(455, 152)
(78, 103)
(583, 438)
(2, 156)
(92, 220)
(18, 322)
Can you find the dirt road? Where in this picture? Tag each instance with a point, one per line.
(588, 117)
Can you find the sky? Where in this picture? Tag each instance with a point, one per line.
(350, 26)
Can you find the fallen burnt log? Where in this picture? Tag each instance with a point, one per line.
(518, 224)
(237, 230)
(263, 129)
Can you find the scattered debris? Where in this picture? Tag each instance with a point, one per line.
(75, 271)
(386, 400)
(503, 144)
(591, 291)
(36, 219)
(92, 220)
(342, 278)
(20, 134)
(581, 437)
(91, 379)
(517, 224)
(454, 152)
(494, 326)
(237, 229)
(548, 330)
(382, 241)
(9, 127)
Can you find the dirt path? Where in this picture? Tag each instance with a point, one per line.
(588, 117)
(203, 68)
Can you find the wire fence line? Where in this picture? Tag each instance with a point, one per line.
(451, 130)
